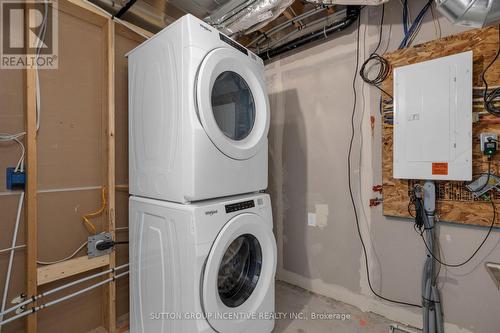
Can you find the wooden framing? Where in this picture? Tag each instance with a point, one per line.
(31, 192)
(41, 276)
(109, 295)
(62, 270)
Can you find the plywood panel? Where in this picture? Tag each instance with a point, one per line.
(454, 203)
(8, 208)
(71, 137)
(77, 315)
(12, 104)
(61, 230)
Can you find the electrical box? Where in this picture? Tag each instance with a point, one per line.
(433, 119)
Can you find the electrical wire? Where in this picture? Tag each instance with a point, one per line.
(86, 218)
(353, 133)
(6, 137)
(487, 179)
(413, 30)
(373, 60)
(490, 97)
(71, 256)
(419, 227)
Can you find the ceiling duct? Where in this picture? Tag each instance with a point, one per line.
(349, 2)
(242, 15)
(470, 13)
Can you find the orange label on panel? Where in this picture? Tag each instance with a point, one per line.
(440, 169)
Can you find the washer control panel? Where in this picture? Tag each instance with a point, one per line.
(239, 206)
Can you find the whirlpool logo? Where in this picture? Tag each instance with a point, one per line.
(201, 25)
(211, 212)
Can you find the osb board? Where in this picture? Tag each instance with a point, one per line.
(484, 44)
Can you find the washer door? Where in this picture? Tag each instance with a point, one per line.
(238, 273)
(232, 102)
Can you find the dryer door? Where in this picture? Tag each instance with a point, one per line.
(238, 273)
(232, 102)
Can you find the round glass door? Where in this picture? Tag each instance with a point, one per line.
(233, 105)
(239, 270)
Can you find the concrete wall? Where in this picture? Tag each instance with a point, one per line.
(311, 101)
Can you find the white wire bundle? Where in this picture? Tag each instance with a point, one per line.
(6, 137)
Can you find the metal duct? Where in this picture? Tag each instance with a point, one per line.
(239, 15)
(470, 13)
(349, 2)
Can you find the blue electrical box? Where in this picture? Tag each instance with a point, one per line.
(15, 180)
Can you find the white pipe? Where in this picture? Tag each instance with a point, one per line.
(11, 257)
(62, 299)
(13, 248)
(64, 286)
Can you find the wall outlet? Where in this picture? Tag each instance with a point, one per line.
(484, 138)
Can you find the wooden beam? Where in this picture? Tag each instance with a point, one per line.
(50, 273)
(131, 31)
(109, 293)
(31, 219)
(84, 11)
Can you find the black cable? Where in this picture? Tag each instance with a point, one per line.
(350, 183)
(489, 98)
(125, 8)
(374, 59)
(421, 231)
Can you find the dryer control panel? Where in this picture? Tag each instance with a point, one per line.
(239, 206)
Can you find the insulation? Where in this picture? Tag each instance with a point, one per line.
(471, 13)
(349, 2)
(240, 16)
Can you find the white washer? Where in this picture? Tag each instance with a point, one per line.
(207, 267)
(198, 115)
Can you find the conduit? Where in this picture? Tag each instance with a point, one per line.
(55, 290)
(11, 257)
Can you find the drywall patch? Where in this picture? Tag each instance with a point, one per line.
(311, 219)
(318, 218)
(321, 215)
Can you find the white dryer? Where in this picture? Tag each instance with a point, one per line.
(207, 267)
(198, 115)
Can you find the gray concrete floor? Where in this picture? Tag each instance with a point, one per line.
(291, 299)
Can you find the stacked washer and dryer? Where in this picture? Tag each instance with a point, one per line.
(202, 250)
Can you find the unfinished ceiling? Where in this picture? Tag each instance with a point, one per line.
(261, 25)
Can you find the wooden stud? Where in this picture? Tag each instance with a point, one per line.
(31, 188)
(109, 294)
(51, 273)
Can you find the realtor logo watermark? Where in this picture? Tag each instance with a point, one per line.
(29, 34)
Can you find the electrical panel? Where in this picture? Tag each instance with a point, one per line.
(433, 119)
